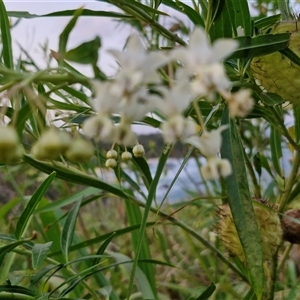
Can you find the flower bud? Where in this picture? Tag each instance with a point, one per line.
(52, 143)
(126, 156)
(80, 150)
(138, 150)
(112, 154)
(10, 147)
(110, 163)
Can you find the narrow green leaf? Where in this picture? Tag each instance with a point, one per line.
(68, 13)
(140, 277)
(264, 23)
(15, 289)
(71, 174)
(64, 36)
(241, 206)
(42, 273)
(134, 216)
(222, 26)
(242, 16)
(8, 248)
(101, 238)
(146, 8)
(193, 15)
(271, 99)
(291, 55)
(260, 45)
(86, 53)
(85, 193)
(69, 229)
(31, 205)
(207, 293)
(103, 247)
(6, 37)
(7, 207)
(276, 151)
(296, 111)
(39, 253)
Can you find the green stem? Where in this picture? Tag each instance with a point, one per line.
(68, 269)
(198, 237)
(272, 279)
(256, 185)
(284, 9)
(283, 129)
(290, 182)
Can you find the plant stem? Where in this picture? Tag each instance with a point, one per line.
(196, 235)
(68, 269)
(256, 185)
(290, 182)
(272, 279)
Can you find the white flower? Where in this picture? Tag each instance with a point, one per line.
(210, 142)
(137, 65)
(106, 101)
(203, 62)
(124, 135)
(209, 79)
(100, 127)
(216, 168)
(240, 103)
(200, 52)
(175, 99)
(135, 106)
(179, 128)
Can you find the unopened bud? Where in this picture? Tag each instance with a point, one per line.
(110, 163)
(126, 156)
(138, 150)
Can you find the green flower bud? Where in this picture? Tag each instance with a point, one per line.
(138, 151)
(52, 143)
(80, 150)
(112, 154)
(126, 156)
(111, 163)
(10, 147)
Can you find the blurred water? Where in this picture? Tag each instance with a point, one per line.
(189, 183)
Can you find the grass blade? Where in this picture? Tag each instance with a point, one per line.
(31, 205)
(241, 205)
(68, 230)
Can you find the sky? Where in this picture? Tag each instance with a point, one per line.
(31, 33)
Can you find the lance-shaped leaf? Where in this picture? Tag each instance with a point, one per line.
(86, 53)
(68, 230)
(261, 45)
(39, 253)
(32, 204)
(241, 206)
(5, 37)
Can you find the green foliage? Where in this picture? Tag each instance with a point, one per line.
(74, 234)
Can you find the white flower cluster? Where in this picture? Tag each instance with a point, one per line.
(200, 74)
